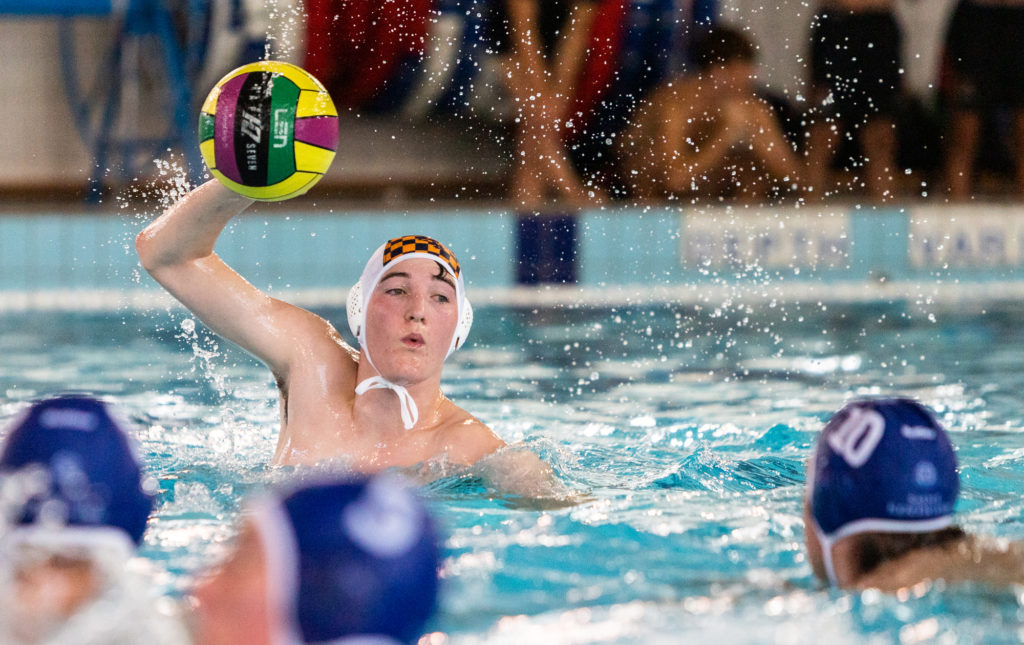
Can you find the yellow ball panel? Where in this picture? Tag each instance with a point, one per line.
(311, 158)
(206, 149)
(294, 186)
(303, 79)
(315, 104)
(210, 104)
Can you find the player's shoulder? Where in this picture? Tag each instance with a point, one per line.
(465, 438)
(307, 330)
(315, 347)
(971, 559)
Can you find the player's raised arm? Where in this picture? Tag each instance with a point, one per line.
(267, 131)
(177, 250)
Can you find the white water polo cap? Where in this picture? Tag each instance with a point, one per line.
(393, 252)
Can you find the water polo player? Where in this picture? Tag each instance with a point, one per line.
(333, 561)
(74, 503)
(376, 408)
(882, 484)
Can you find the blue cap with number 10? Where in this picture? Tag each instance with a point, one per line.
(883, 466)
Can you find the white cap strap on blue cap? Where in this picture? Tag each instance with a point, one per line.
(101, 540)
(827, 542)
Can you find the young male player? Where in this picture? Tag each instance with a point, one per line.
(376, 408)
(881, 487)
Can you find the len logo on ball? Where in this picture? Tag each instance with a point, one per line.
(268, 130)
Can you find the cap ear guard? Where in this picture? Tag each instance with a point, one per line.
(465, 324)
(354, 309)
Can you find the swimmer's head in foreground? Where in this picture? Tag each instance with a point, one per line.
(75, 505)
(339, 561)
(401, 266)
(881, 482)
(75, 469)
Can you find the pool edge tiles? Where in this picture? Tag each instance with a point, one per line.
(617, 256)
(752, 246)
(54, 252)
(325, 251)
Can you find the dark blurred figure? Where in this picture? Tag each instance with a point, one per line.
(856, 91)
(985, 53)
(880, 501)
(334, 560)
(709, 134)
(74, 503)
(545, 42)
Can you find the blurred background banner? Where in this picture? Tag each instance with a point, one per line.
(100, 89)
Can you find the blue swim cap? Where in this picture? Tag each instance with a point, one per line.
(91, 477)
(883, 466)
(363, 556)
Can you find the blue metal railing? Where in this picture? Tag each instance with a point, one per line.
(59, 7)
(136, 26)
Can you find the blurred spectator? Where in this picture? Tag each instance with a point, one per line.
(545, 42)
(334, 561)
(75, 505)
(855, 90)
(709, 134)
(986, 64)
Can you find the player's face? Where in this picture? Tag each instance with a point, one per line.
(46, 592)
(231, 602)
(410, 320)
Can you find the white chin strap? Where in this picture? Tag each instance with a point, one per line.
(410, 413)
(357, 323)
(826, 543)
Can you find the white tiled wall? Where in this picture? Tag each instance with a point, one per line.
(40, 143)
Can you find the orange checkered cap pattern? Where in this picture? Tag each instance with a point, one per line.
(399, 246)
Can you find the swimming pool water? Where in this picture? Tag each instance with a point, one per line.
(686, 427)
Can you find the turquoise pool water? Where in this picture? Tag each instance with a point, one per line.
(686, 425)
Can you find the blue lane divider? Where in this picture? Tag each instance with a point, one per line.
(546, 249)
